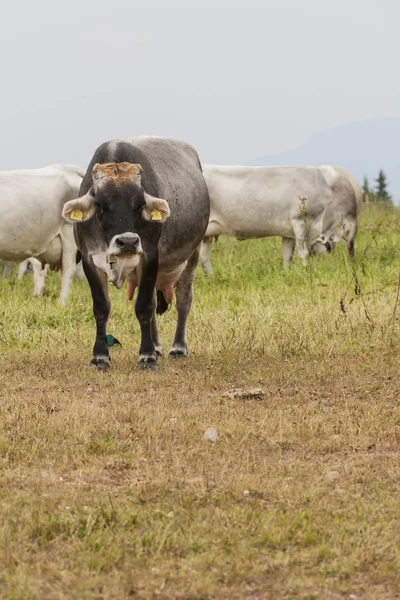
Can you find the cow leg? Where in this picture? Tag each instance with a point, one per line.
(351, 239)
(68, 265)
(155, 336)
(145, 308)
(302, 239)
(350, 248)
(288, 245)
(22, 268)
(184, 299)
(39, 276)
(7, 269)
(79, 274)
(101, 310)
(205, 251)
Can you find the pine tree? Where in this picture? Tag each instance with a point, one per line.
(368, 193)
(365, 189)
(382, 194)
(365, 186)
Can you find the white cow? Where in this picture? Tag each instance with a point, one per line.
(40, 269)
(31, 203)
(353, 182)
(256, 202)
(52, 256)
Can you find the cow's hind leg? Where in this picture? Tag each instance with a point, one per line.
(287, 251)
(7, 268)
(204, 258)
(68, 263)
(101, 310)
(184, 299)
(23, 268)
(39, 276)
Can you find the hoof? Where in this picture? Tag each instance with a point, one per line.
(159, 352)
(178, 352)
(148, 363)
(102, 363)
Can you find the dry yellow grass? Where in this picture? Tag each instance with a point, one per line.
(108, 490)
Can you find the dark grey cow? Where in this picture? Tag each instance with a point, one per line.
(141, 215)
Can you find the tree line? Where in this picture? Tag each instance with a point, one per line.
(379, 192)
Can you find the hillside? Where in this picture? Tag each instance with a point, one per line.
(363, 148)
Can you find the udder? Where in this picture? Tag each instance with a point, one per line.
(53, 254)
(166, 283)
(132, 284)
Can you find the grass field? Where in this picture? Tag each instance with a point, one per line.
(108, 489)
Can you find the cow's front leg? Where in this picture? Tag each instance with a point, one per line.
(154, 330)
(145, 311)
(351, 239)
(300, 228)
(184, 299)
(287, 251)
(101, 310)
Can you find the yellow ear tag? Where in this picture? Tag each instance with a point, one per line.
(156, 215)
(76, 215)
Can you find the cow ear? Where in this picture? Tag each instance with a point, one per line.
(80, 209)
(155, 209)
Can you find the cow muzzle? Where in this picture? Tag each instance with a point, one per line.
(325, 242)
(125, 245)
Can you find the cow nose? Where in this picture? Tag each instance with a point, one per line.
(125, 242)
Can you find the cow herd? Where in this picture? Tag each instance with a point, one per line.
(146, 209)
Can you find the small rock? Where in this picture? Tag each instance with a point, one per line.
(241, 394)
(211, 435)
(332, 476)
(246, 493)
(354, 597)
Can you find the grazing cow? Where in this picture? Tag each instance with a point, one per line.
(31, 203)
(255, 202)
(353, 182)
(340, 218)
(141, 215)
(54, 258)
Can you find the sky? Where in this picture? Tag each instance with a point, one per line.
(237, 79)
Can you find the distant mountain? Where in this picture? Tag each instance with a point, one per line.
(363, 148)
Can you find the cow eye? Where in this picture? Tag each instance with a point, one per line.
(99, 208)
